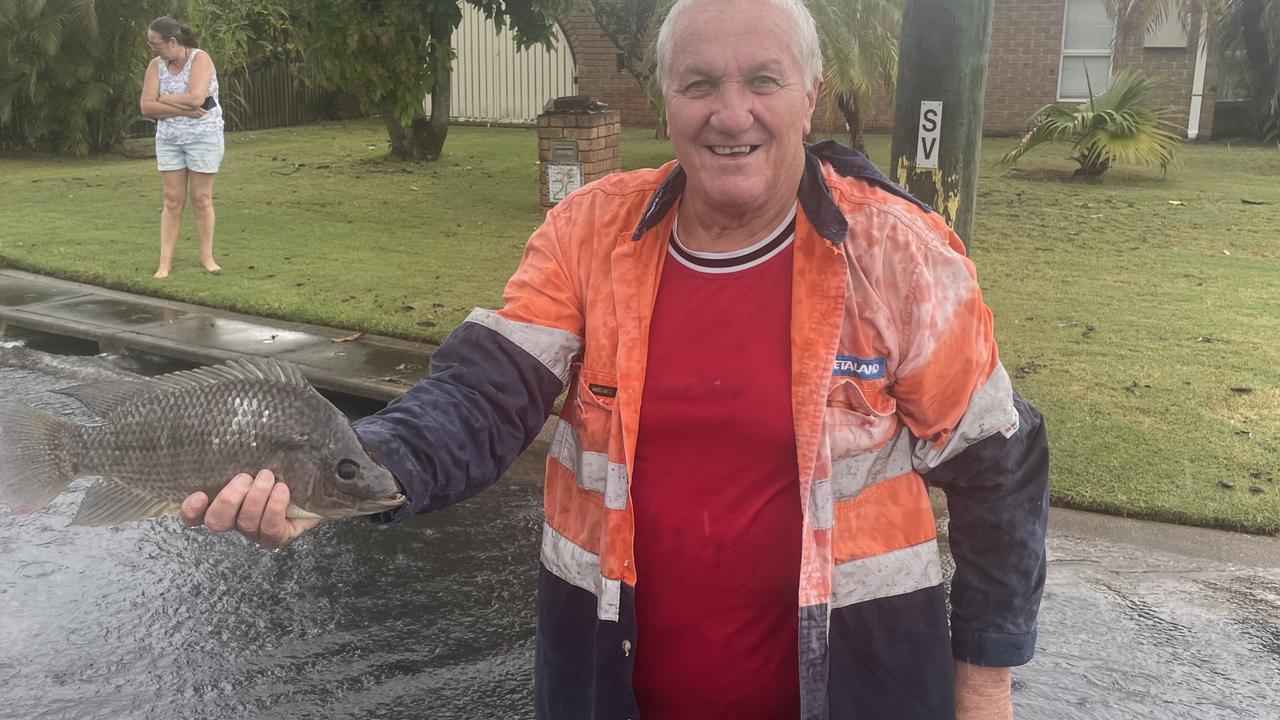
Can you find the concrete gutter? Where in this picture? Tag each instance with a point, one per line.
(370, 367)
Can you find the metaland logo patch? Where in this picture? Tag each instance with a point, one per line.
(861, 368)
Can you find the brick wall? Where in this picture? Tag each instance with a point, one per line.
(596, 135)
(596, 58)
(1022, 67)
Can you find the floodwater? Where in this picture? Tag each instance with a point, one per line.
(434, 618)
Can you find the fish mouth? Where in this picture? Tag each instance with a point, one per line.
(360, 507)
(368, 507)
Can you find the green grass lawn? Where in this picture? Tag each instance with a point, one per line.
(1126, 318)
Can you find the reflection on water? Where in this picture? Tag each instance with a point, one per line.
(1156, 636)
(430, 619)
(434, 618)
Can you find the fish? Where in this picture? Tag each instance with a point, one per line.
(166, 437)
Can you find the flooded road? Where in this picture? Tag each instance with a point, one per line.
(434, 618)
(1129, 633)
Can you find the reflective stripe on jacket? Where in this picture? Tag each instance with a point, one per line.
(895, 378)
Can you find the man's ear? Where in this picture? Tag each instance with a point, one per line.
(811, 103)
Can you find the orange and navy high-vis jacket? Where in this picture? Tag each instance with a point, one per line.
(896, 382)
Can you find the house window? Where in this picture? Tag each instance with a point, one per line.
(1168, 34)
(1087, 33)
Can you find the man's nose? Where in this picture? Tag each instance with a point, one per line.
(733, 113)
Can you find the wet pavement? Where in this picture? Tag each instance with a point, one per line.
(1134, 631)
(373, 367)
(434, 618)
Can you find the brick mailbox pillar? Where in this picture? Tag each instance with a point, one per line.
(579, 140)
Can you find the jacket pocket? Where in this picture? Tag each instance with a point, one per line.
(589, 410)
(858, 419)
(598, 389)
(849, 403)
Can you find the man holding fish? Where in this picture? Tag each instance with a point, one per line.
(769, 349)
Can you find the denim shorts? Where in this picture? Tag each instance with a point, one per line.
(202, 156)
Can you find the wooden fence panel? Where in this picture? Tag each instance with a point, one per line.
(272, 96)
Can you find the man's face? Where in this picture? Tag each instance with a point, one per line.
(738, 104)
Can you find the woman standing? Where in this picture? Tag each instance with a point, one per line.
(180, 92)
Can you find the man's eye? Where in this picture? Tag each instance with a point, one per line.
(765, 82)
(698, 87)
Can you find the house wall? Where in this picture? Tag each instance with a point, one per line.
(1023, 65)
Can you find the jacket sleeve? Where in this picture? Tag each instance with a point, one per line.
(490, 387)
(985, 447)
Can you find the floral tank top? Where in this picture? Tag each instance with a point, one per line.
(182, 130)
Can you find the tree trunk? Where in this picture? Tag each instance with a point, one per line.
(1263, 67)
(431, 132)
(1255, 44)
(853, 119)
(943, 58)
(1089, 168)
(423, 140)
(400, 146)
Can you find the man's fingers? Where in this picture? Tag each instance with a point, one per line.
(255, 504)
(276, 531)
(192, 512)
(221, 515)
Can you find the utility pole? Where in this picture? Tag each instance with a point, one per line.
(937, 118)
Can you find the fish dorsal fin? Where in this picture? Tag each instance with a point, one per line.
(102, 398)
(110, 502)
(255, 368)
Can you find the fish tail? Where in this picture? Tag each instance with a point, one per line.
(34, 458)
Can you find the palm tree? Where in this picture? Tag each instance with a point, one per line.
(859, 41)
(1110, 128)
(1248, 27)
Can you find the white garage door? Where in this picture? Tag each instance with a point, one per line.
(492, 82)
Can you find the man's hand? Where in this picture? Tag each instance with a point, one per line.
(254, 507)
(983, 693)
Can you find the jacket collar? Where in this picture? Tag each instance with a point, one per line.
(814, 196)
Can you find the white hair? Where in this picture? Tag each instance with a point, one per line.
(805, 42)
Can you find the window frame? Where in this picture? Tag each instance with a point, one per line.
(1064, 54)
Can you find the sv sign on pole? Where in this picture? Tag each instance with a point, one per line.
(927, 149)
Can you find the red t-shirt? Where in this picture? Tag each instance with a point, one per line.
(716, 492)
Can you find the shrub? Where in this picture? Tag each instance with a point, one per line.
(70, 71)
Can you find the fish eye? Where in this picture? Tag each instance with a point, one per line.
(348, 469)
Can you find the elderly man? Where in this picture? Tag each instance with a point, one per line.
(768, 350)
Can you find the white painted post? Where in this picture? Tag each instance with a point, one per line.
(927, 147)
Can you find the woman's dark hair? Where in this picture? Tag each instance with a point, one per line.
(168, 29)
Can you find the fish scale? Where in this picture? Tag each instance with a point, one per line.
(149, 441)
(161, 440)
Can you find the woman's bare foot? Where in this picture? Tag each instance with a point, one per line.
(211, 266)
(162, 273)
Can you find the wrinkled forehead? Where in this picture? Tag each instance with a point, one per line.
(718, 38)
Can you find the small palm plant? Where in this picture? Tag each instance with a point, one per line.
(1111, 128)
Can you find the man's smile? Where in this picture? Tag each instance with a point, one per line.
(729, 150)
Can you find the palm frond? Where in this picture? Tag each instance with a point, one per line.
(859, 49)
(47, 35)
